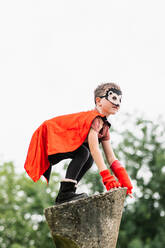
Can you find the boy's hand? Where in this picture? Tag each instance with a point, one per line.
(109, 180)
(124, 179)
(121, 174)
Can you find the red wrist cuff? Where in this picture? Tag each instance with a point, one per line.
(105, 173)
(115, 165)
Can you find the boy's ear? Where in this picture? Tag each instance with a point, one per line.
(98, 99)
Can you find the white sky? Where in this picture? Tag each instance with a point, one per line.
(53, 54)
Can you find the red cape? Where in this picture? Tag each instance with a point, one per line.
(58, 135)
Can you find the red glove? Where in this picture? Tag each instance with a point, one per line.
(122, 176)
(109, 180)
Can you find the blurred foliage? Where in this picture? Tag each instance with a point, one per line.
(140, 145)
(22, 223)
(142, 150)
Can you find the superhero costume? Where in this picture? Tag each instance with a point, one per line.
(64, 135)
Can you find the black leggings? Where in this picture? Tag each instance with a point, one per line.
(81, 161)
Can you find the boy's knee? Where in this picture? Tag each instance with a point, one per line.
(84, 152)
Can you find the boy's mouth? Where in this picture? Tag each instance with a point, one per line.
(115, 107)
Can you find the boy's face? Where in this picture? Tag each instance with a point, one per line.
(110, 103)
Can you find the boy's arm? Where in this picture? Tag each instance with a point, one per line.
(117, 168)
(95, 150)
(108, 151)
(108, 180)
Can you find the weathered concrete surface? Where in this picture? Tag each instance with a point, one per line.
(87, 223)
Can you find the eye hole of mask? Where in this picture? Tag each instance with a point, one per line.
(114, 98)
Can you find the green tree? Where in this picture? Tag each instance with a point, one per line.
(142, 151)
(22, 222)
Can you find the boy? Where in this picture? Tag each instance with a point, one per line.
(77, 136)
